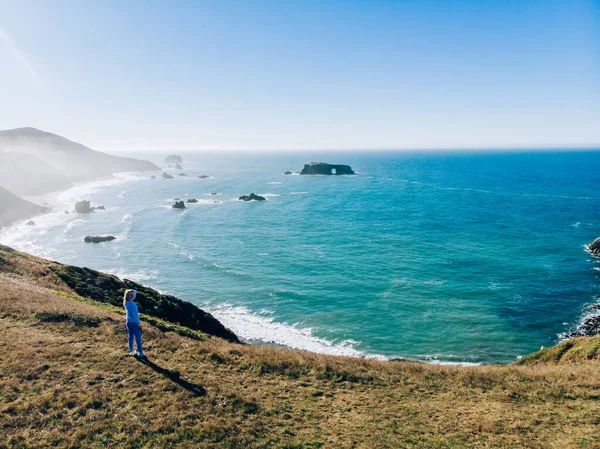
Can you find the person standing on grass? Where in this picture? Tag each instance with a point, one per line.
(134, 328)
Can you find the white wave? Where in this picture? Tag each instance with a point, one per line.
(269, 195)
(254, 327)
(274, 182)
(298, 193)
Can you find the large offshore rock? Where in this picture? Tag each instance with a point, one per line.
(595, 247)
(321, 168)
(252, 197)
(98, 238)
(83, 207)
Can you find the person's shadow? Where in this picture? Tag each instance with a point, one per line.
(174, 376)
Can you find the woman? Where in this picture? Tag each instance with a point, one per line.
(134, 328)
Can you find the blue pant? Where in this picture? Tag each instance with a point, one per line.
(134, 331)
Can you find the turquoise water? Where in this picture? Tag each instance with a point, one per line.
(441, 257)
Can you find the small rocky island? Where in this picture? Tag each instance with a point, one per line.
(99, 239)
(173, 159)
(252, 197)
(179, 205)
(166, 176)
(178, 167)
(321, 168)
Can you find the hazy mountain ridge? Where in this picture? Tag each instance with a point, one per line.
(34, 162)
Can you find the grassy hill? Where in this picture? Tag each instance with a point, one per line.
(65, 382)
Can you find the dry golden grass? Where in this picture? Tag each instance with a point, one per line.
(69, 385)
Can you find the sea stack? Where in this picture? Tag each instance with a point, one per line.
(166, 176)
(173, 159)
(321, 168)
(83, 207)
(178, 167)
(179, 205)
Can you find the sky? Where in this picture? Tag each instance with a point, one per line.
(303, 74)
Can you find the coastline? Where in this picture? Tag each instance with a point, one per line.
(290, 335)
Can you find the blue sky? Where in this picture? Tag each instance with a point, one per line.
(303, 74)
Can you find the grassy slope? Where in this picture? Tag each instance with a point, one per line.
(64, 381)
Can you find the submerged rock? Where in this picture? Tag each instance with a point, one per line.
(99, 239)
(192, 200)
(31, 223)
(203, 176)
(321, 168)
(166, 176)
(178, 205)
(83, 207)
(182, 174)
(595, 247)
(252, 197)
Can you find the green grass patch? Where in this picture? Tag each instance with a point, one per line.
(65, 317)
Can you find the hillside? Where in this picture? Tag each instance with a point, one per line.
(34, 162)
(65, 382)
(14, 208)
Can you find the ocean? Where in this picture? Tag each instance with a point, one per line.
(444, 257)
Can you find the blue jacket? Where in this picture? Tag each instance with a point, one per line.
(132, 312)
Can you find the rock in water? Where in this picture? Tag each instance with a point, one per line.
(203, 176)
(99, 239)
(100, 208)
(152, 177)
(288, 173)
(595, 247)
(83, 207)
(192, 200)
(182, 174)
(173, 159)
(166, 176)
(251, 197)
(321, 168)
(179, 205)
(31, 223)
(178, 167)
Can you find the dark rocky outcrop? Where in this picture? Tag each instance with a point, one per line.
(109, 289)
(99, 208)
(99, 239)
(321, 168)
(594, 247)
(288, 173)
(214, 193)
(13, 208)
(83, 207)
(182, 174)
(178, 167)
(66, 212)
(203, 176)
(192, 200)
(252, 197)
(152, 177)
(31, 223)
(166, 176)
(173, 159)
(179, 205)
